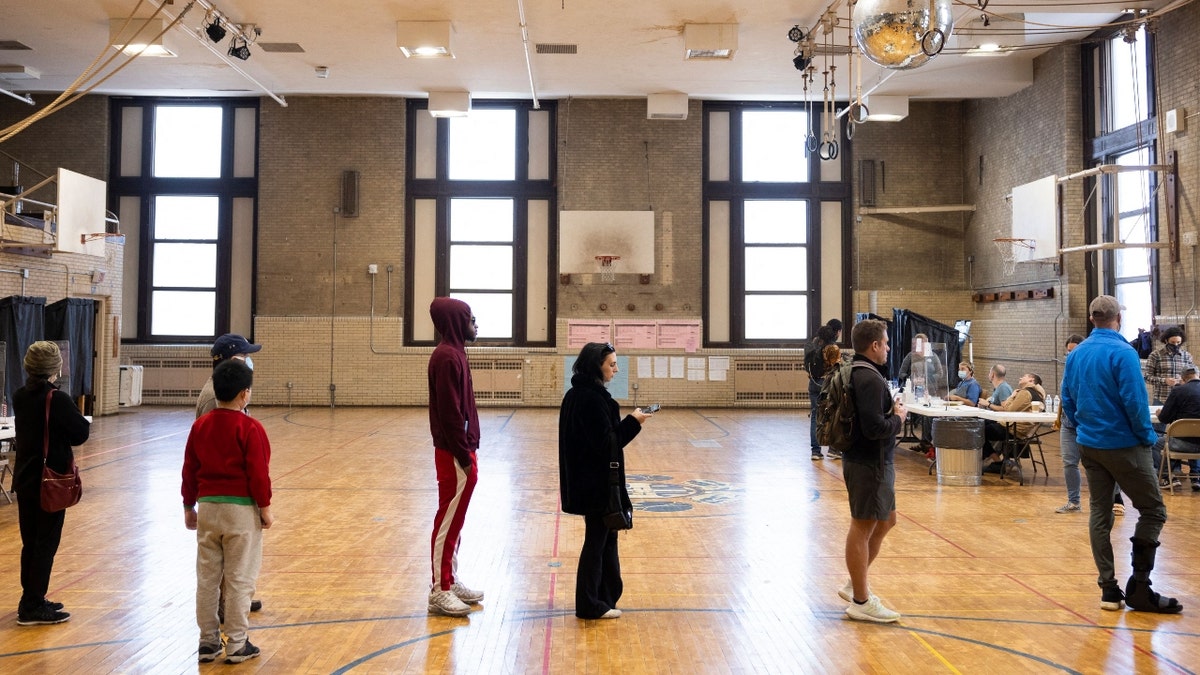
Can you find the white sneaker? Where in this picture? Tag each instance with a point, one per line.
(446, 603)
(847, 592)
(873, 610)
(465, 594)
(613, 613)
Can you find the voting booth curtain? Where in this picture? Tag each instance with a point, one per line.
(25, 320)
(905, 324)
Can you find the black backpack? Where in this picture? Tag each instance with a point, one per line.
(814, 362)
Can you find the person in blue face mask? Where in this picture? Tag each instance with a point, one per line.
(1164, 367)
(968, 389)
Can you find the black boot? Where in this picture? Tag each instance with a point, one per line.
(1138, 594)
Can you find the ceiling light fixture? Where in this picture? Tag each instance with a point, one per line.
(138, 36)
(215, 31)
(449, 103)
(239, 48)
(709, 41)
(886, 108)
(424, 39)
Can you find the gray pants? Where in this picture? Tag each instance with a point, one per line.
(1132, 470)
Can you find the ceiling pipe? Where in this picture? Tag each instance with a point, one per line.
(26, 98)
(528, 59)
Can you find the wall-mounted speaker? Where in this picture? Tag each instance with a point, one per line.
(349, 205)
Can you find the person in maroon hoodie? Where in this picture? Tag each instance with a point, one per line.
(454, 424)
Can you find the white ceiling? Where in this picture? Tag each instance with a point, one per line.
(626, 48)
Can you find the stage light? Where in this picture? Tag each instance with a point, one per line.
(239, 48)
(216, 32)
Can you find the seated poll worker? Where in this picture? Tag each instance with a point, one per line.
(1182, 403)
(1028, 396)
(968, 390)
(1001, 389)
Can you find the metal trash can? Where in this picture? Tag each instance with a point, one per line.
(959, 443)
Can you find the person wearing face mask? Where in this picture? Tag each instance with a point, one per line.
(1164, 367)
(968, 389)
(228, 346)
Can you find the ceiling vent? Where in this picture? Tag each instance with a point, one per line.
(670, 106)
(280, 47)
(553, 48)
(711, 41)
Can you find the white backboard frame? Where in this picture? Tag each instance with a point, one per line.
(1035, 218)
(82, 208)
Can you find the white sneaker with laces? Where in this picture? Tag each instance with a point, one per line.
(446, 603)
(471, 597)
(1069, 507)
(873, 610)
(847, 592)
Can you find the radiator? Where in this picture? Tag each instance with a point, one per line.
(498, 379)
(770, 380)
(172, 381)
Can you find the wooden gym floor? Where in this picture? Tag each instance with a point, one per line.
(733, 565)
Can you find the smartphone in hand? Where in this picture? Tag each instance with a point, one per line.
(650, 409)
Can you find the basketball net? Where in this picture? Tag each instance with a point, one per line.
(604, 265)
(1014, 250)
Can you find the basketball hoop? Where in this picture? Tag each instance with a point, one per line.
(604, 265)
(93, 236)
(1014, 250)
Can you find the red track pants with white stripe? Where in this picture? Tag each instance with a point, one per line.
(455, 485)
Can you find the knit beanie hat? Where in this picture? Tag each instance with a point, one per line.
(43, 358)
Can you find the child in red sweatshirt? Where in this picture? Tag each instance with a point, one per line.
(227, 500)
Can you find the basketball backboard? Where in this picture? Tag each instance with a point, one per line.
(583, 235)
(1035, 218)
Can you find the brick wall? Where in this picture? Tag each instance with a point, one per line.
(75, 138)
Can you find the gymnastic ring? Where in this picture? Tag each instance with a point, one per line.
(850, 124)
(933, 41)
(812, 143)
(829, 150)
(857, 112)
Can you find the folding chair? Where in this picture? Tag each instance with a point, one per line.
(1019, 447)
(1189, 428)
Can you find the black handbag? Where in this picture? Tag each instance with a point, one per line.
(618, 515)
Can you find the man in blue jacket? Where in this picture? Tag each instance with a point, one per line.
(1104, 398)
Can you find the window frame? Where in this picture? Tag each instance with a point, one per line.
(521, 190)
(1102, 147)
(146, 187)
(815, 192)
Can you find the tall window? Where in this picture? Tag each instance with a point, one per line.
(773, 227)
(1123, 132)
(481, 200)
(183, 213)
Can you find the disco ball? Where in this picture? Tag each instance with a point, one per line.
(891, 32)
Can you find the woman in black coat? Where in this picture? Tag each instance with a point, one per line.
(590, 433)
(40, 530)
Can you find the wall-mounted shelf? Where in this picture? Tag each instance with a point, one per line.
(947, 208)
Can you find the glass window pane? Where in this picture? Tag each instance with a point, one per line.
(773, 145)
(481, 220)
(1133, 228)
(483, 145)
(775, 222)
(1131, 262)
(1133, 188)
(776, 317)
(183, 313)
(481, 267)
(1138, 312)
(776, 268)
(493, 313)
(187, 141)
(185, 265)
(180, 217)
(1127, 95)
